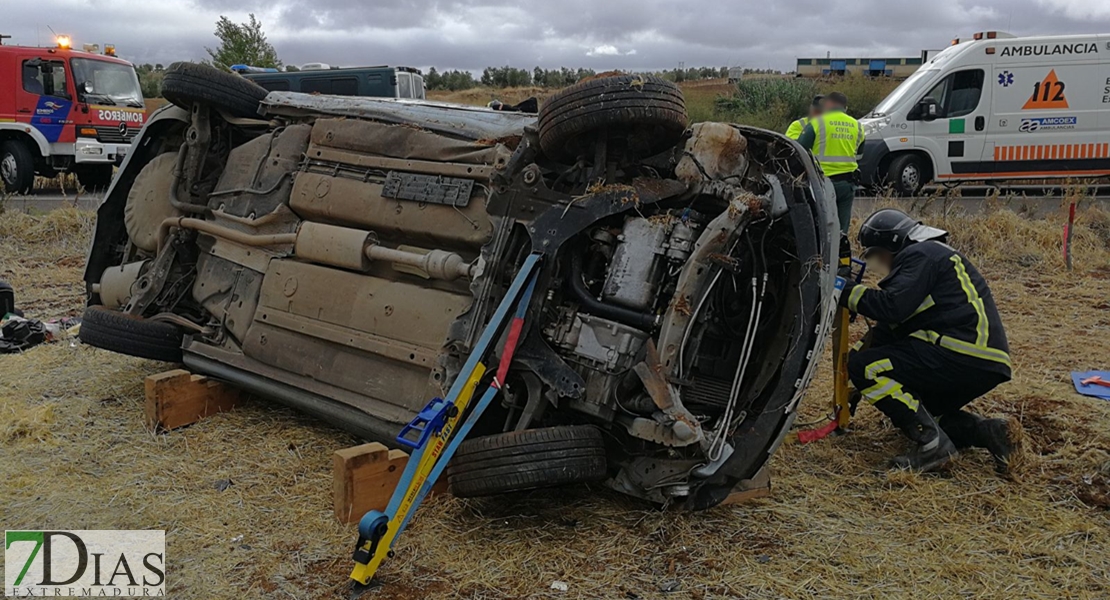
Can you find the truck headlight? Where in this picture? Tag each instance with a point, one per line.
(873, 126)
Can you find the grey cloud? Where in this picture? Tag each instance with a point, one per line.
(471, 34)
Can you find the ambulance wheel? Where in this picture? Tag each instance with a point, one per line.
(644, 115)
(907, 174)
(526, 460)
(186, 83)
(17, 167)
(94, 177)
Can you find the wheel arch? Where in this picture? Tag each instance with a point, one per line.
(26, 134)
(109, 216)
(884, 163)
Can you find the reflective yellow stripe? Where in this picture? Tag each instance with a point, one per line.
(926, 304)
(962, 347)
(885, 386)
(982, 330)
(880, 366)
(853, 298)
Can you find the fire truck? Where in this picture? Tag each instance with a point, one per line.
(65, 110)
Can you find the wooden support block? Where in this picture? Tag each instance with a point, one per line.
(364, 478)
(178, 398)
(758, 486)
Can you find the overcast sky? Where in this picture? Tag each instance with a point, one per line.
(600, 34)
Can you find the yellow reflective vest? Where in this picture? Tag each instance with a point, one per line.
(838, 136)
(796, 128)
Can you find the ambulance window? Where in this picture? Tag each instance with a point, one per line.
(958, 94)
(967, 87)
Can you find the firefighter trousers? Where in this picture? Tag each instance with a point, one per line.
(917, 373)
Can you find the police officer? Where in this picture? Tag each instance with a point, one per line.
(939, 343)
(797, 126)
(835, 139)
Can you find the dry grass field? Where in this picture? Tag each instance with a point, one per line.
(74, 454)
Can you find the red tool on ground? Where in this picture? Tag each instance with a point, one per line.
(1096, 380)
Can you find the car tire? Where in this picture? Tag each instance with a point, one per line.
(907, 174)
(126, 334)
(186, 83)
(526, 460)
(17, 167)
(94, 177)
(646, 114)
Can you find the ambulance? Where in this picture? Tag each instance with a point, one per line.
(995, 107)
(64, 110)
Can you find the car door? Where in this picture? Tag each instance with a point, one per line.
(43, 98)
(956, 138)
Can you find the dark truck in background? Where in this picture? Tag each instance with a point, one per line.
(374, 82)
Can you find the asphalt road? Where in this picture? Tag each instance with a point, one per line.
(45, 202)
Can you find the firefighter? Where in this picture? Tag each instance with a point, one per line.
(798, 125)
(938, 344)
(836, 139)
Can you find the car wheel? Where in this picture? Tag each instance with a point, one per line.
(17, 167)
(94, 177)
(907, 174)
(186, 83)
(526, 460)
(644, 115)
(126, 334)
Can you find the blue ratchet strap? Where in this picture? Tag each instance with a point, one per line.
(471, 420)
(370, 525)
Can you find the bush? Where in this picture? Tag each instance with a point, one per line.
(863, 93)
(769, 103)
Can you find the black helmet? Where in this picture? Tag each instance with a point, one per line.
(892, 229)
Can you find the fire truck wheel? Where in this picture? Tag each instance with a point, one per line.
(17, 167)
(186, 83)
(94, 177)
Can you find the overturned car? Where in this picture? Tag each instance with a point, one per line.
(342, 255)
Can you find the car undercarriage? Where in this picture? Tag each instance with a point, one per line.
(343, 255)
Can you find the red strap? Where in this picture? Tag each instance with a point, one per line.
(507, 355)
(812, 435)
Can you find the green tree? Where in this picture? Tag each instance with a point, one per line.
(242, 44)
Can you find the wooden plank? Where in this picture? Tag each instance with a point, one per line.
(747, 490)
(364, 477)
(178, 398)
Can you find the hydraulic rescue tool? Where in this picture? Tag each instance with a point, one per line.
(841, 406)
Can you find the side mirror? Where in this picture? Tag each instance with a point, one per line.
(928, 109)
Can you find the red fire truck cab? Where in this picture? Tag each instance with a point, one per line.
(62, 110)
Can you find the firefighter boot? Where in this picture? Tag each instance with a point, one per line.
(998, 436)
(934, 449)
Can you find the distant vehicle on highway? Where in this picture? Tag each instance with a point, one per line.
(63, 110)
(319, 78)
(995, 107)
(735, 74)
